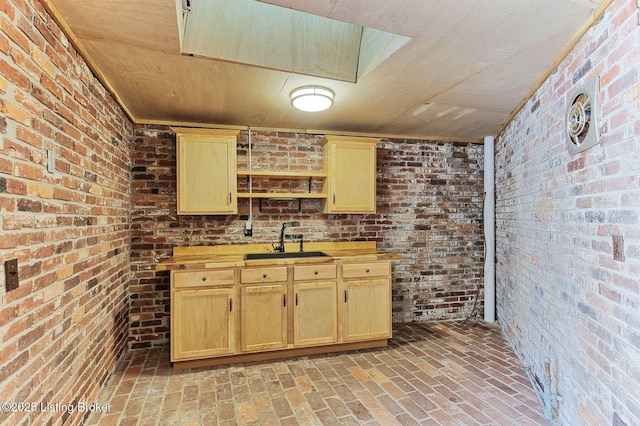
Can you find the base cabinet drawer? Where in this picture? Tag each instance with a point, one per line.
(365, 270)
(203, 278)
(263, 275)
(314, 272)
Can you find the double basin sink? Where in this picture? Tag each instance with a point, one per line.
(284, 255)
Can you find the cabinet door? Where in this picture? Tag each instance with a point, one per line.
(263, 320)
(206, 173)
(351, 176)
(367, 309)
(202, 323)
(315, 313)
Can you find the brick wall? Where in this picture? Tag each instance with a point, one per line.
(561, 294)
(63, 329)
(429, 209)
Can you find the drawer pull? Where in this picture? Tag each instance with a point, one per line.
(315, 272)
(264, 275)
(367, 270)
(204, 278)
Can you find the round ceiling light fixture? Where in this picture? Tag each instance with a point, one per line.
(312, 98)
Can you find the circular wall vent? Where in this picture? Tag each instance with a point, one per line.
(581, 119)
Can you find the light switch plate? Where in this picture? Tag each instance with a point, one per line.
(51, 161)
(11, 274)
(618, 248)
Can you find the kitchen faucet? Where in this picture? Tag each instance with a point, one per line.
(280, 247)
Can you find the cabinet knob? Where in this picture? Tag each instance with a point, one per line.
(366, 270)
(204, 278)
(315, 272)
(264, 275)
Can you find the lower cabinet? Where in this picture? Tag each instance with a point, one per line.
(367, 301)
(315, 313)
(366, 310)
(263, 312)
(235, 313)
(263, 318)
(202, 316)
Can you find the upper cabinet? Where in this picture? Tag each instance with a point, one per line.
(206, 171)
(207, 175)
(350, 164)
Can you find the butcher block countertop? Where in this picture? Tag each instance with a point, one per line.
(220, 256)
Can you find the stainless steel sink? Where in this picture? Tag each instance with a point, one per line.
(285, 255)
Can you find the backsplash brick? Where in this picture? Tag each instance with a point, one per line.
(64, 328)
(560, 293)
(429, 209)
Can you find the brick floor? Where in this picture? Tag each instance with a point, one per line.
(434, 373)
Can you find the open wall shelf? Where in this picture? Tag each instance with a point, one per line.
(270, 174)
(282, 195)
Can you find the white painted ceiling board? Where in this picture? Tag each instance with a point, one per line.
(472, 62)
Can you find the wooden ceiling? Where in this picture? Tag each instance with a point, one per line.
(457, 69)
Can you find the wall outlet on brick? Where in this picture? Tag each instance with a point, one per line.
(618, 248)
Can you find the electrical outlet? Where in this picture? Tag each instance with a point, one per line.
(11, 274)
(618, 248)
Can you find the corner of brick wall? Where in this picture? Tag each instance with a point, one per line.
(561, 294)
(64, 328)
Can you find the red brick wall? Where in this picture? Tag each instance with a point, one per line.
(561, 293)
(429, 209)
(63, 329)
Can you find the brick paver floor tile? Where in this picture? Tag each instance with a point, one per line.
(432, 373)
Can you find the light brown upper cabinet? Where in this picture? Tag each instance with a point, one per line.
(350, 164)
(206, 171)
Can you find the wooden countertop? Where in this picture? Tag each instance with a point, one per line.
(201, 257)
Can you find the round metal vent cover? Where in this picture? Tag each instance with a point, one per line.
(581, 119)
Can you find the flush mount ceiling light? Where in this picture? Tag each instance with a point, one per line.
(312, 98)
